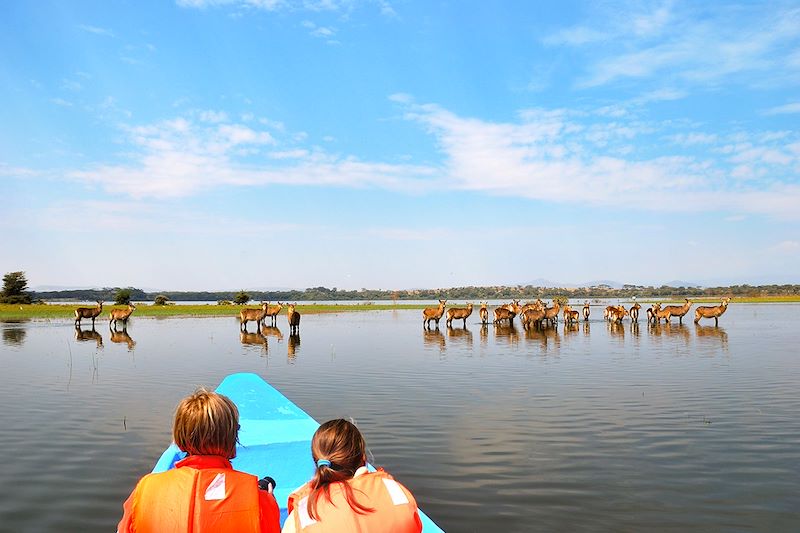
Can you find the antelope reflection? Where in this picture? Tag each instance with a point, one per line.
(292, 346)
(122, 337)
(272, 331)
(462, 335)
(484, 334)
(671, 330)
(433, 338)
(87, 335)
(253, 339)
(548, 337)
(707, 334)
(507, 332)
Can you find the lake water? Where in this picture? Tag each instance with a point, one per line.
(593, 428)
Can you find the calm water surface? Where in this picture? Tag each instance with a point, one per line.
(595, 428)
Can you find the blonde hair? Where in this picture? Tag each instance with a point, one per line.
(206, 423)
(340, 443)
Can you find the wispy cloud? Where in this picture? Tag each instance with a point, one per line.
(182, 156)
(551, 155)
(96, 30)
(692, 43)
(786, 109)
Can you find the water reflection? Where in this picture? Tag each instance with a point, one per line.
(433, 338)
(88, 335)
(460, 335)
(292, 347)
(711, 336)
(14, 335)
(617, 329)
(253, 339)
(272, 331)
(571, 328)
(507, 333)
(122, 337)
(678, 331)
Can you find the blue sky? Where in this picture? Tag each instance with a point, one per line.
(225, 144)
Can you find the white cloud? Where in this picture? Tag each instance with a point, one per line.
(794, 107)
(691, 44)
(96, 30)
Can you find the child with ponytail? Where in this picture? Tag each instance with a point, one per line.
(343, 495)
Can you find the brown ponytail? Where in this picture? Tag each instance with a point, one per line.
(340, 443)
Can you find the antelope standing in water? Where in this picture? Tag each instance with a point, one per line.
(88, 312)
(634, 312)
(586, 312)
(532, 315)
(484, 313)
(679, 310)
(551, 313)
(570, 316)
(294, 320)
(714, 312)
(272, 312)
(246, 315)
(433, 313)
(507, 312)
(616, 314)
(458, 313)
(120, 314)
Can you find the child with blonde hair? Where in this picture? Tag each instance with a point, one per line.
(203, 493)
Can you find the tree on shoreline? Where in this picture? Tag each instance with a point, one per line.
(14, 285)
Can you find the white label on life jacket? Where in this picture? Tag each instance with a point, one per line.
(216, 489)
(302, 510)
(397, 494)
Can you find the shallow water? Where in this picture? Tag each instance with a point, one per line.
(593, 428)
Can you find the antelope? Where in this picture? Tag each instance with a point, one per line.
(458, 313)
(294, 319)
(634, 312)
(655, 314)
(246, 315)
(651, 312)
(88, 312)
(551, 313)
(616, 314)
(679, 310)
(120, 314)
(714, 312)
(570, 316)
(433, 313)
(504, 313)
(484, 312)
(586, 312)
(272, 312)
(532, 316)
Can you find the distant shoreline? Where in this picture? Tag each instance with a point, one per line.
(67, 310)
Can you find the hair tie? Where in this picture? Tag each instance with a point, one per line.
(323, 462)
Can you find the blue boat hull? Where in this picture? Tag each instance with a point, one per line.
(274, 439)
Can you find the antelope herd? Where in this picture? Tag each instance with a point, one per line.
(533, 315)
(537, 314)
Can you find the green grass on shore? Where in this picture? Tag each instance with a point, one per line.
(46, 311)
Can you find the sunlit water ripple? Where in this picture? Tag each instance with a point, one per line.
(494, 429)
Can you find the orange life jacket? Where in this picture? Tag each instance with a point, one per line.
(211, 497)
(395, 507)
